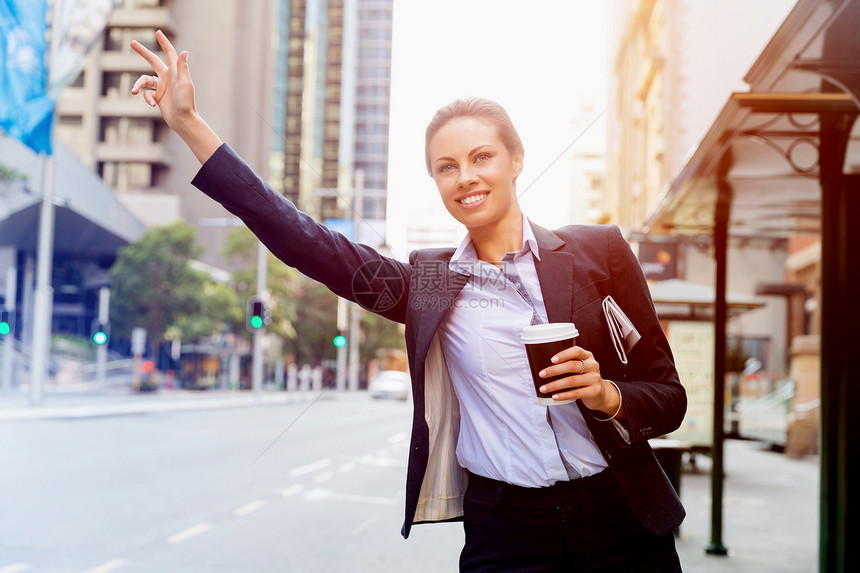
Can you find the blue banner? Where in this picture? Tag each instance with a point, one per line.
(26, 111)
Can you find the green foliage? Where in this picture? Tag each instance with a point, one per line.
(9, 174)
(315, 325)
(154, 287)
(379, 333)
(303, 311)
(220, 306)
(282, 282)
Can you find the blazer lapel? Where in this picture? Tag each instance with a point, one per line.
(555, 274)
(432, 299)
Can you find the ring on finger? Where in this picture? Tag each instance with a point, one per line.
(582, 370)
(153, 87)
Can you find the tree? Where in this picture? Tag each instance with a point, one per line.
(282, 282)
(154, 287)
(220, 310)
(379, 333)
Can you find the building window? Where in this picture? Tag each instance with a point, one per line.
(109, 130)
(140, 130)
(109, 172)
(118, 39)
(139, 175)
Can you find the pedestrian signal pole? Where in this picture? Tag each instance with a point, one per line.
(9, 319)
(340, 343)
(101, 343)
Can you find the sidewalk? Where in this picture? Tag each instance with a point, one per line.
(83, 404)
(770, 513)
(770, 502)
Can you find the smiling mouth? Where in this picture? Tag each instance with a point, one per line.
(471, 199)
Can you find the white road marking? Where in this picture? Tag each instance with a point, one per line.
(187, 534)
(320, 494)
(312, 467)
(111, 565)
(323, 477)
(292, 490)
(250, 507)
(15, 567)
(365, 524)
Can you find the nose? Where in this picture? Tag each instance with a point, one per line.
(468, 176)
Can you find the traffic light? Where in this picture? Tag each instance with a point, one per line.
(339, 341)
(100, 332)
(258, 315)
(5, 322)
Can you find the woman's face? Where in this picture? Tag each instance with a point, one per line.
(474, 172)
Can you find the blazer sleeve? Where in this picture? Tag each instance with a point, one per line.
(654, 399)
(351, 270)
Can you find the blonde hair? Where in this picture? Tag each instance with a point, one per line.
(474, 107)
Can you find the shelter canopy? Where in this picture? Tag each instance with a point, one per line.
(763, 147)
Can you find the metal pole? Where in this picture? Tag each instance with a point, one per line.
(354, 335)
(44, 296)
(355, 311)
(721, 222)
(9, 341)
(840, 311)
(101, 349)
(257, 365)
(340, 381)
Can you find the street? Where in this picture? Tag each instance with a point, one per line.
(206, 482)
(303, 486)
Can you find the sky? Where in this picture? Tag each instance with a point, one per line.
(542, 60)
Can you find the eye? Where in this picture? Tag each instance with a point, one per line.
(447, 167)
(482, 157)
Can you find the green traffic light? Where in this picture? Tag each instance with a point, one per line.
(4, 328)
(339, 341)
(99, 338)
(256, 321)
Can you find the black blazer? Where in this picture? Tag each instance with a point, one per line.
(579, 266)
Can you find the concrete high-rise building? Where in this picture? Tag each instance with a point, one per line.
(332, 95)
(128, 144)
(299, 88)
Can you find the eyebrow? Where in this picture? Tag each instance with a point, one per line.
(472, 152)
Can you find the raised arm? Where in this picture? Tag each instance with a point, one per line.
(351, 270)
(172, 90)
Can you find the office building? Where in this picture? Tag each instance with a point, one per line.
(332, 95)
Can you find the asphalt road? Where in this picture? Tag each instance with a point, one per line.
(304, 486)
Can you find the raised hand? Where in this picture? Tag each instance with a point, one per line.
(172, 90)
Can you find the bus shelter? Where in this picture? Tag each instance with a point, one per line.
(781, 160)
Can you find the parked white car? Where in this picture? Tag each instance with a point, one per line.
(390, 384)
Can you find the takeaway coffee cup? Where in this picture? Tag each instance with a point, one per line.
(543, 341)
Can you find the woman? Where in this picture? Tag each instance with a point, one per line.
(566, 487)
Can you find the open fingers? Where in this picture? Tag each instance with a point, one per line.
(143, 82)
(148, 84)
(158, 66)
(167, 48)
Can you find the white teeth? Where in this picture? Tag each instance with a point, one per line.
(473, 199)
